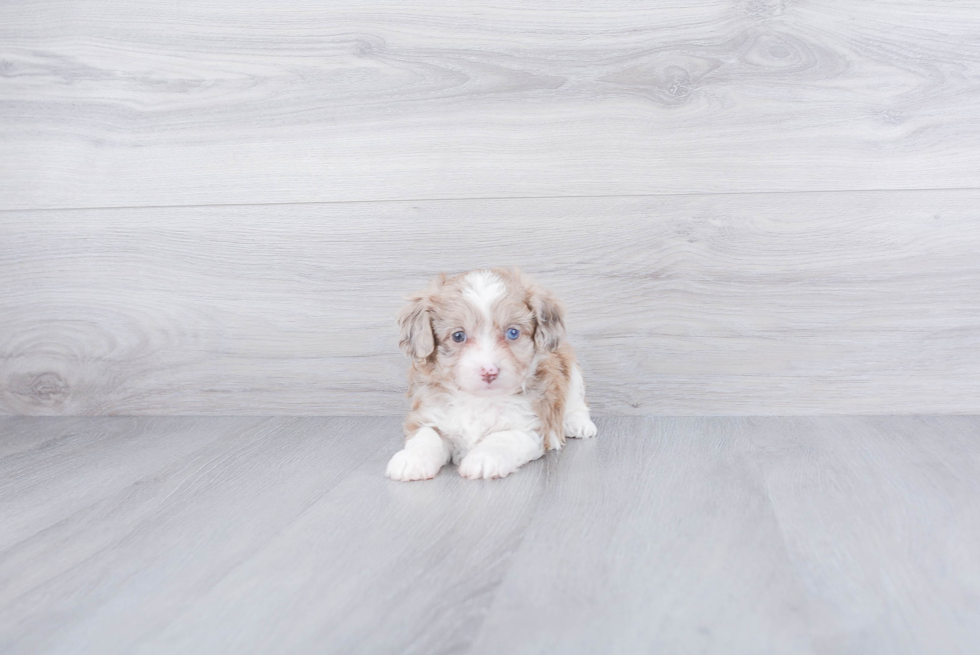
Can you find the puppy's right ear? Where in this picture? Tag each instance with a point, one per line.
(415, 321)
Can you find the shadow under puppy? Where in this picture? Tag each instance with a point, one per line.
(493, 382)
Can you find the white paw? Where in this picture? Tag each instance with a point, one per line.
(405, 466)
(481, 464)
(579, 426)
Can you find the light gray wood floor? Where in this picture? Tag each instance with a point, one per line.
(670, 535)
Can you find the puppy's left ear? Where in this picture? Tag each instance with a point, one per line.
(549, 318)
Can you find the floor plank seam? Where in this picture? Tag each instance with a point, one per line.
(486, 198)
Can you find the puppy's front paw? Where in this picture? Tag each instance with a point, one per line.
(481, 464)
(405, 466)
(579, 426)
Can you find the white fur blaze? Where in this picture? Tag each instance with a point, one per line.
(482, 289)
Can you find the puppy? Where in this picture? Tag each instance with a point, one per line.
(493, 382)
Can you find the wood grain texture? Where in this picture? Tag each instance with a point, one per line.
(294, 520)
(876, 516)
(78, 467)
(864, 302)
(826, 535)
(118, 103)
(375, 567)
(819, 535)
(172, 527)
(656, 537)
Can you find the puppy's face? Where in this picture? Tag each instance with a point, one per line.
(480, 331)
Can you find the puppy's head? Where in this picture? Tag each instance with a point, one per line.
(481, 331)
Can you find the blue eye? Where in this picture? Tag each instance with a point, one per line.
(513, 333)
(459, 337)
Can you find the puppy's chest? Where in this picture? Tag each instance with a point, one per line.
(465, 421)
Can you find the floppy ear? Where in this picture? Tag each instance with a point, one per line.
(549, 319)
(415, 322)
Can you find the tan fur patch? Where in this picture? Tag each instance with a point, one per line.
(548, 389)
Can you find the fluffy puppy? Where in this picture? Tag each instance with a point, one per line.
(493, 382)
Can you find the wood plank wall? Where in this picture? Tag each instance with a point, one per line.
(749, 207)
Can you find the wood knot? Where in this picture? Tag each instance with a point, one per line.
(46, 389)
